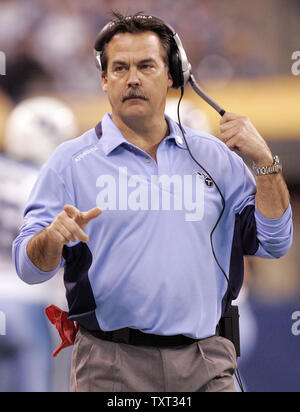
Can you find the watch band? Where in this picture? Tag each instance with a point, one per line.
(276, 167)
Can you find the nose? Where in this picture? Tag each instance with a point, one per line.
(133, 77)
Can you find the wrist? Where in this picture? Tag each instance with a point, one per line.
(266, 160)
(44, 251)
(267, 169)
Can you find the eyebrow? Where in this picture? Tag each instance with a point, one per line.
(150, 60)
(123, 63)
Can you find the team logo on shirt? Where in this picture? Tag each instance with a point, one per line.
(169, 193)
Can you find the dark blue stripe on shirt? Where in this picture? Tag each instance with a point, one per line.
(244, 242)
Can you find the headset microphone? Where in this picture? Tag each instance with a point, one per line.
(186, 68)
(205, 97)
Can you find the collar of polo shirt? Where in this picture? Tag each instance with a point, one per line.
(110, 141)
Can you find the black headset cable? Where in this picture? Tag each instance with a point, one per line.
(237, 374)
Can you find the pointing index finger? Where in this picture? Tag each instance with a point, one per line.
(86, 217)
(82, 218)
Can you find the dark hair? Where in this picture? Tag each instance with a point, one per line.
(136, 23)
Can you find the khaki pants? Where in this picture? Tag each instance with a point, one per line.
(103, 366)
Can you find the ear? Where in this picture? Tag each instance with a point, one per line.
(170, 81)
(104, 81)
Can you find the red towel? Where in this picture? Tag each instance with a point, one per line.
(67, 328)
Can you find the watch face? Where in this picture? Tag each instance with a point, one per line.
(276, 160)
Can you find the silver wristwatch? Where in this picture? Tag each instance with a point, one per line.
(276, 167)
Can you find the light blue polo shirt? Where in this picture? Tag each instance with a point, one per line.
(149, 263)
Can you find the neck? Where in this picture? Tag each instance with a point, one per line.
(143, 133)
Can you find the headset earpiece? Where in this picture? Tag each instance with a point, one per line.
(180, 66)
(176, 70)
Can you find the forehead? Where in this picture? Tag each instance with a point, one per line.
(139, 45)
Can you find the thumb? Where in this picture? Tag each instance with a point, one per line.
(86, 217)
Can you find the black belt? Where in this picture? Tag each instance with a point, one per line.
(136, 337)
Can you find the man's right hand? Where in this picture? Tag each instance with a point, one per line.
(69, 225)
(45, 248)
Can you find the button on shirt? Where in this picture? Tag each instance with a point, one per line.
(149, 263)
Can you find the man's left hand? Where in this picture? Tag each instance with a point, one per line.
(239, 134)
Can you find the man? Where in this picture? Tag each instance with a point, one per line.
(143, 280)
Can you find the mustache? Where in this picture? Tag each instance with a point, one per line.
(134, 94)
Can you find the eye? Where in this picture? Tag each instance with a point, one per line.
(146, 66)
(119, 69)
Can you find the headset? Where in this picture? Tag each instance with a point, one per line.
(180, 67)
(181, 73)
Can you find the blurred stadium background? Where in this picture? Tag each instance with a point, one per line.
(241, 53)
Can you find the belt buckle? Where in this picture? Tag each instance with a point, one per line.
(121, 336)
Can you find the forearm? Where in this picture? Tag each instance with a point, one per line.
(272, 196)
(44, 251)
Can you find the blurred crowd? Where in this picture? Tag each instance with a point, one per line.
(49, 52)
(49, 43)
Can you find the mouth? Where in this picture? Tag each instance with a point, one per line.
(134, 97)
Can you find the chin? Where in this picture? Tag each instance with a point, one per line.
(134, 113)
